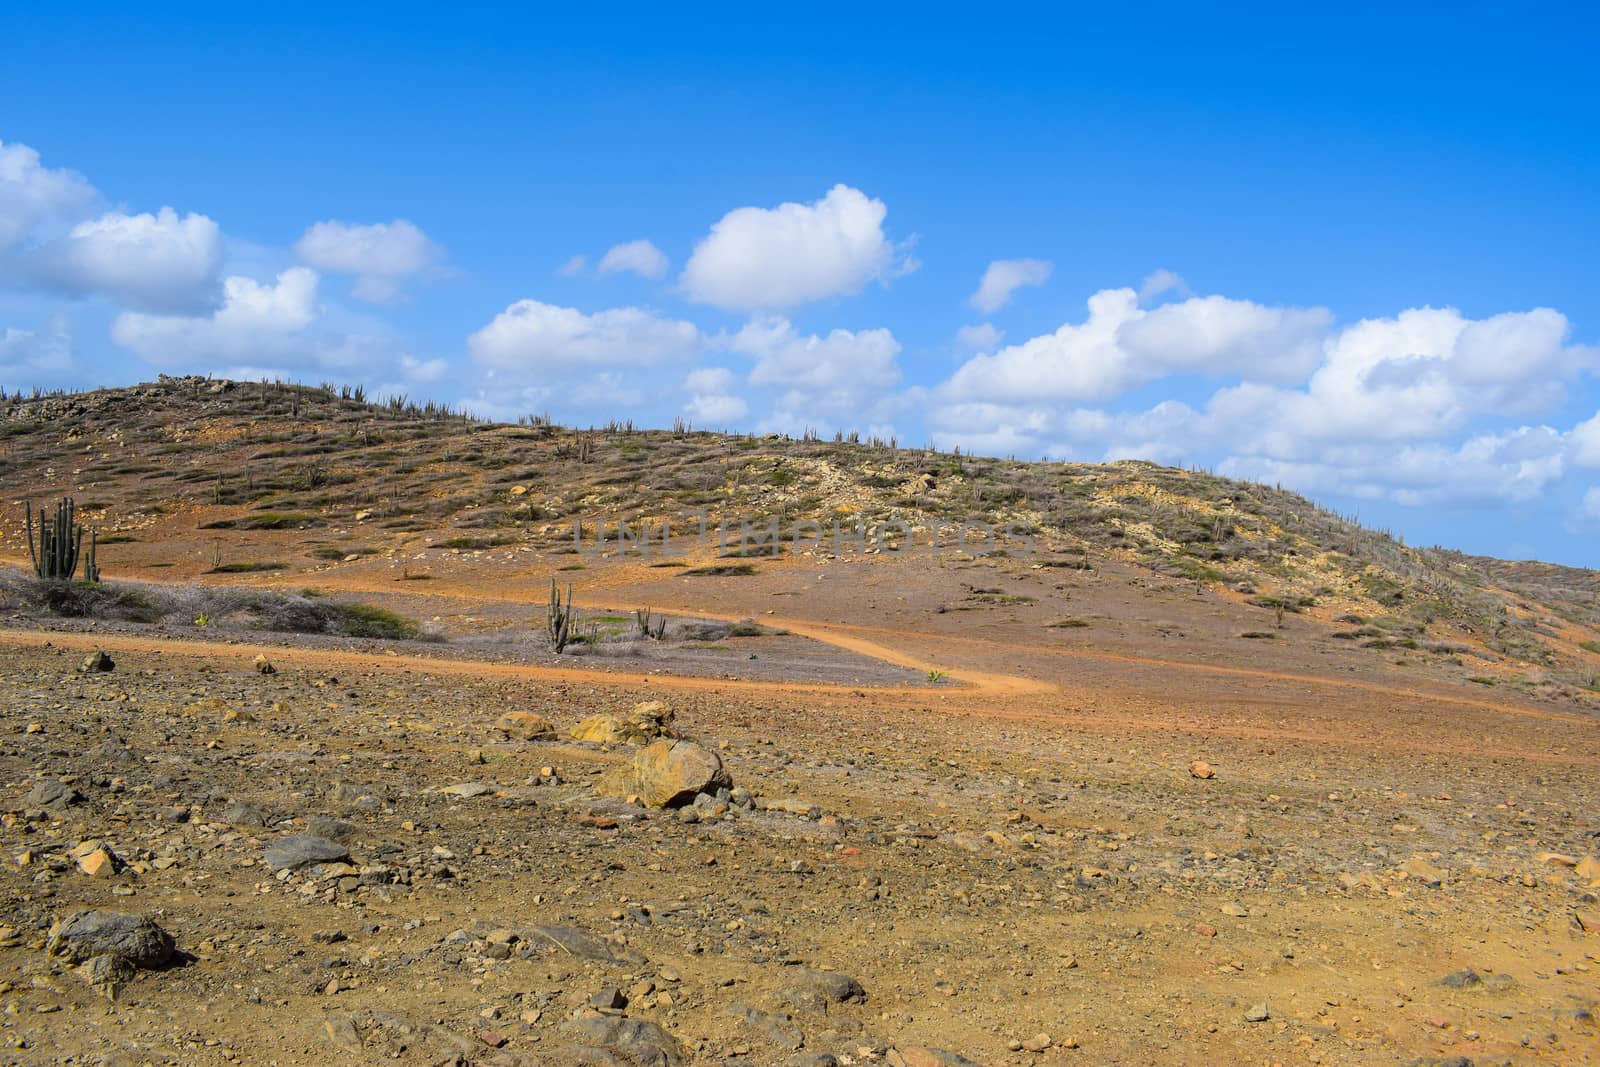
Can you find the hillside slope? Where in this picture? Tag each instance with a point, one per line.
(187, 476)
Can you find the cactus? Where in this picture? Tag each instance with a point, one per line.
(651, 626)
(56, 548)
(559, 619)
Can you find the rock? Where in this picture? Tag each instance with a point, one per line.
(264, 665)
(582, 944)
(668, 773)
(1461, 979)
(106, 972)
(1037, 1043)
(525, 726)
(1201, 769)
(1556, 859)
(467, 790)
(1588, 870)
(653, 718)
(84, 935)
(774, 1028)
(303, 850)
(243, 813)
(920, 1056)
(51, 794)
(99, 862)
(1589, 921)
(1424, 872)
(637, 1040)
(1238, 911)
(98, 663)
(1258, 1013)
(814, 990)
(812, 1059)
(609, 998)
(645, 723)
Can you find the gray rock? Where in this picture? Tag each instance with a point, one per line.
(243, 813)
(814, 990)
(582, 944)
(775, 1028)
(51, 794)
(1258, 1013)
(637, 1040)
(303, 850)
(812, 1059)
(84, 935)
(1461, 979)
(98, 662)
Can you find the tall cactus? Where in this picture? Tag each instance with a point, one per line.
(55, 555)
(559, 618)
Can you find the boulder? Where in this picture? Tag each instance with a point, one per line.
(645, 723)
(525, 726)
(303, 850)
(84, 935)
(668, 773)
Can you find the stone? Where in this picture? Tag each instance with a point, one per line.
(1238, 911)
(1201, 769)
(1556, 859)
(303, 850)
(922, 1056)
(525, 726)
(467, 790)
(98, 663)
(1588, 870)
(1037, 1043)
(667, 773)
(85, 934)
(582, 944)
(773, 1028)
(107, 971)
(51, 794)
(1461, 979)
(1258, 1013)
(647, 722)
(243, 813)
(99, 862)
(1423, 871)
(637, 1040)
(814, 990)
(609, 998)
(263, 665)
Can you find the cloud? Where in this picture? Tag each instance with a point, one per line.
(842, 375)
(380, 255)
(573, 267)
(159, 262)
(713, 401)
(32, 194)
(31, 357)
(640, 257)
(1120, 346)
(529, 337)
(1160, 282)
(252, 324)
(980, 338)
(764, 259)
(1006, 276)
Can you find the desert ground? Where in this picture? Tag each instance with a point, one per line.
(976, 809)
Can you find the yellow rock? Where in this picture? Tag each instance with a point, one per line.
(1588, 869)
(525, 726)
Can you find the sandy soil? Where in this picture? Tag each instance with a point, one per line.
(1016, 861)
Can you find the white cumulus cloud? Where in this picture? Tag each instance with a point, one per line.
(31, 193)
(1004, 277)
(639, 257)
(33, 357)
(842, 375)
(757, 259)
(530, 336)
(380, 255)
(160, 262)
(252, 326)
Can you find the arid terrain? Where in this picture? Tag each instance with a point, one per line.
(1190, 772)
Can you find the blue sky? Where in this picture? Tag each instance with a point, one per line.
(1350, 251)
